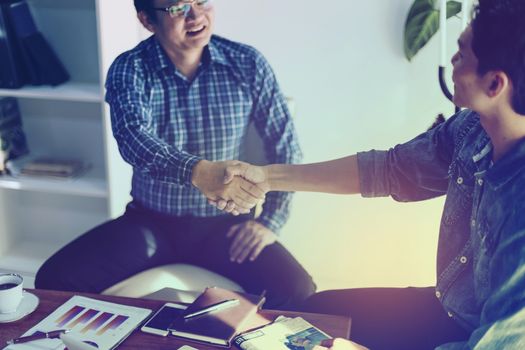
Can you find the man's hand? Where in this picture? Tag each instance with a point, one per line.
(256, 175)
(249, 239)
(209, 177)
(338, 344)
(253, 173)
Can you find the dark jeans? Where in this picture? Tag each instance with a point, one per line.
(391, 318)
(142, 239)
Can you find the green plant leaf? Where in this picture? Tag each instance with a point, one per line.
(423, 22)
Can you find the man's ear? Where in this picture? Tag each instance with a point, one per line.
(497, 82)
(146, 21)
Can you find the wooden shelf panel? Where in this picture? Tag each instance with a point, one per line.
(72, 91)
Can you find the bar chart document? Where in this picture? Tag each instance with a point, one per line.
(101, 324)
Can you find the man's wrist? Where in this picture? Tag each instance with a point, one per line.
(269, 175)
(199, 172)
(270, 223)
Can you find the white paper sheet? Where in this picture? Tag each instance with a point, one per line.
(98, 323)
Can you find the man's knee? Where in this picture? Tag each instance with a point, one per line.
(61, 272)
(291, 292)
(302, 289)
(51, 276)
(289, 284)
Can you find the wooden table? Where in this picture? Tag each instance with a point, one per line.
(336, 326)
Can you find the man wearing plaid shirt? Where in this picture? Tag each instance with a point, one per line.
(181, 102)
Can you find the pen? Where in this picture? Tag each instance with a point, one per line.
(38, 336)
(214, 307)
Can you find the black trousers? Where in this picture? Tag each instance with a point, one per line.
(391, 318)
(142, 239)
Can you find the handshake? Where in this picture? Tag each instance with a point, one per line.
(232, 186)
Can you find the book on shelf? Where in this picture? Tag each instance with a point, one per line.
(219, 327)
(53, 167)
(283, 334)
(13, 142)
(47, 167)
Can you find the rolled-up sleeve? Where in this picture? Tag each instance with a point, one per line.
(413, 171)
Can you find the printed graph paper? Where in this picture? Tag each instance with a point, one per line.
(98, 323)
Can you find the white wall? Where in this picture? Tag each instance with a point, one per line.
(342, 62)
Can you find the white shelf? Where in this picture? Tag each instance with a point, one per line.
(88, 185)
(77, 92)
(40, 215)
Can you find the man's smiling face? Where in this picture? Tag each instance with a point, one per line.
(183, 33)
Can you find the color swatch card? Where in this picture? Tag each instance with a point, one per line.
(100, 324)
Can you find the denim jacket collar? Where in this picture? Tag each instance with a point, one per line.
(508, 166)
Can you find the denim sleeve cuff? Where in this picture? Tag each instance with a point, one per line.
(373, 179)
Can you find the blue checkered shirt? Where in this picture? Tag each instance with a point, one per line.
(164, 123)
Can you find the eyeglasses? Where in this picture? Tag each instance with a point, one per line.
(183, 7)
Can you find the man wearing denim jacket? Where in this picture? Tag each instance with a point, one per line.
(477, 159)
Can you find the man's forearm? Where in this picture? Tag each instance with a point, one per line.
(154, 157)
(335, 176)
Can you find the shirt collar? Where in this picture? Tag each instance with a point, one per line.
(215, 54)
(507, 167)
(156, 55)
(160, 60)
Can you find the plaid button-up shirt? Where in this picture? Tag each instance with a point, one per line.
(164, 123)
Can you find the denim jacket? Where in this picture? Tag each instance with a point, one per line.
(481, 251)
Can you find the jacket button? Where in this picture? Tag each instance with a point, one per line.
(438, 294)
(459, 180)
(463, 259)
(450, 314)
(480, 182)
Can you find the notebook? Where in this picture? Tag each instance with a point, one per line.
(219, 327)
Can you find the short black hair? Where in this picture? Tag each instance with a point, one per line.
(498, 42)
(146, 6)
